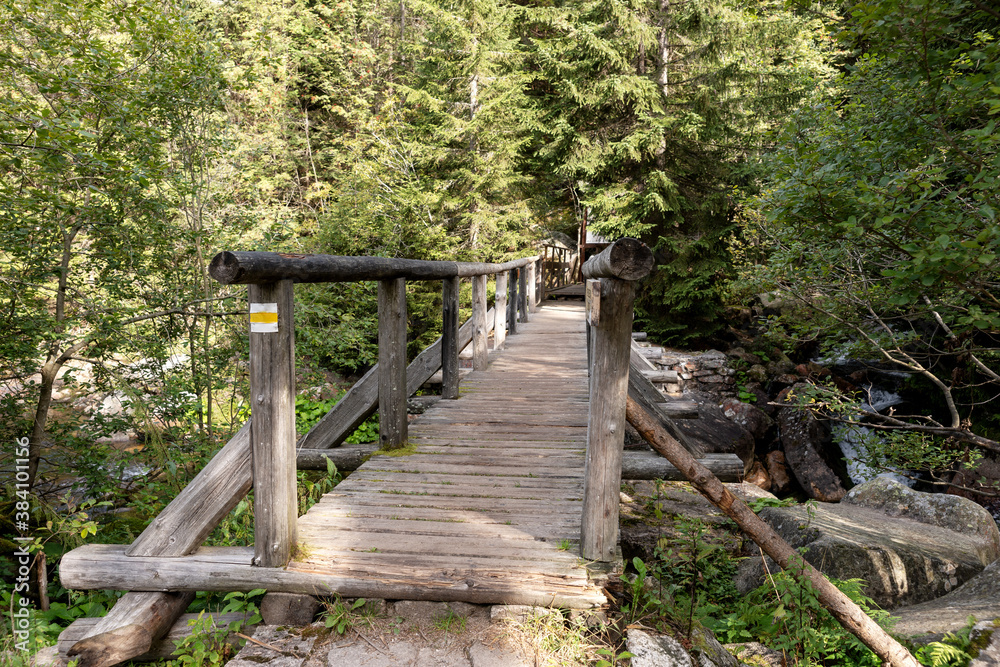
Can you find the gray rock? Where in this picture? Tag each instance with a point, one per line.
(750, 417)
(706, 649)
(442, 657)
(518, 612)
(804, 438)
(755, 653)
(936, 509)
(359, 654)
(485, 656)
(979, 597)
(715, 432)
(288, 609)
(656, 651)
(985, 644)
(417, 610)
(902, 560)
(284, 649)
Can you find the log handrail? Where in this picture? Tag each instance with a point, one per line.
(252, 267)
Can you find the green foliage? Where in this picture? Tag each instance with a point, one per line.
(309, 411)
(785, 614)
(650, 113)
(954, 650)
(206, 646)
(339, 615)
(450, 622)
(879, 215)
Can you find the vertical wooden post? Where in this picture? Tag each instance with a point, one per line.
(392, 363)
(544, 267)
(512, 303)
(449, 339)
(532, 278)
(611, 336)
(272, 426)
(522, 295)
(480, 358)
(500, 308)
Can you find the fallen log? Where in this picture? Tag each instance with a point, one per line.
(162, 648)
(129, 629)
(847, 613)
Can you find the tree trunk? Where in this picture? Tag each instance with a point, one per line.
(49, 372)
(854, 620)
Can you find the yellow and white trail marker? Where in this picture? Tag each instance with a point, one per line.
(263, 318)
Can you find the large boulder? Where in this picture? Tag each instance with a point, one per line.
(978, 597)
(805, 440)
(715, 432)
(908, 546)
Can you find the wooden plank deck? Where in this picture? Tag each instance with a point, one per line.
(488, 508)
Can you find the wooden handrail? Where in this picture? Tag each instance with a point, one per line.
(245, 268)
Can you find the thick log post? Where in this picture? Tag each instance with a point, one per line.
(449, 339)
(480, 358)
(500, 308)
(522, 295)
(392, 363)
(512, 303)
(609, 313)
(272, 425)
(542, 270)
(606, 420)
(532, 278)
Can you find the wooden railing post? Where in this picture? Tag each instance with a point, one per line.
(449, 339)
(392, 363)
(500, 308)
(532, 277)
(480, 358)
(512, 303)
(609, 313)
(272, 425)
(522, 295)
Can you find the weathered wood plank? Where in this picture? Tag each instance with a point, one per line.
(272, 425)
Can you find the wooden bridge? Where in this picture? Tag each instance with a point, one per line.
(504, 492)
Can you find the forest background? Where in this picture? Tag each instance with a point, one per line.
(843, 153)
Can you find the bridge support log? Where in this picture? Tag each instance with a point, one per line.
(449, 338)
(500, 307)
(480, 332)
(392, 363)
(272, 425)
